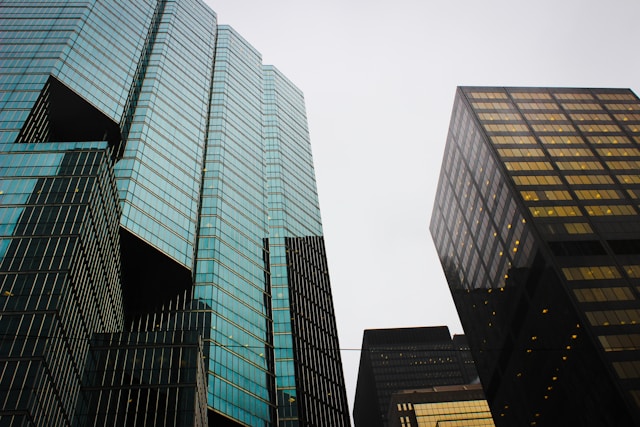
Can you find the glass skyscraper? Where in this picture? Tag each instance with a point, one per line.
(207, 183)
(536, 222)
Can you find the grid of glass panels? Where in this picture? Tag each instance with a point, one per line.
(59, 273)
(293, 212)
(160, 173)
(231, 276)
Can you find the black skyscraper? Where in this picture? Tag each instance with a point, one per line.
(536, 222)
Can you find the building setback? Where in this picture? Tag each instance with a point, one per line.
(393, 360)
(204, 208)
(536, 223)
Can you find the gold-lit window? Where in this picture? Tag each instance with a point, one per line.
(588, 179)
(633, 128)
(590, 117)
(499, 116)
(613, 317)
(610, 210)
(555, 139)
(487, 95)
(633, 117)
(505, 127)
(598, 194)
(622, 342)
(591, 272)
(530, 95)
(510, 139)
(621, 152)
(599, 128)
(570, 152)
(520, 152)
(616, 97)
(609, 139)
(627, 369)
(578, 228)
(620, 293)
(528, 166)
(623, 107)
(538, 106)
(581, 106)
(537, 180)
(552, 127)
(633, 271)
(535, 196)
(634, 194)
(624, 165)
(554, 211)
(579, 166)
(545, 116)
(491, 105)
(630, 179)
(573, 96)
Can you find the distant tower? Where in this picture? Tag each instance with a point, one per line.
(393, 360)
(537, 225)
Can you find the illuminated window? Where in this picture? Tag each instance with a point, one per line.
(590, 117)
(537, 180)
(591, 272)
(614, 210)
(624, 165)
(616, 97)
(630, 179)
(553, 211)
(570, 152)
(623, 342)
(588, 179)
(530, 95)
(581, 106)
(499, 116)
(599, 128)
(613, 317)
(621, 152)
(578, 228)
(509, 139)
(628, 117)
(487, 95)
(604, 294)
(552, 127)
(545, 195)
(633, 128)
(597, 194)
(608, 139)
(579, 165)
(538, 105)
(555, 139)
(573, 96)
(633, 271)
(491, 105)
(623, 107)
(520, 152)
(505, 128)
(545, 116)
(634, 194)
(528, 166)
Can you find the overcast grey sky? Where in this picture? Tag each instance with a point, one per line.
(379, 79)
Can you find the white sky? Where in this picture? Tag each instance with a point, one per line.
(379, 78)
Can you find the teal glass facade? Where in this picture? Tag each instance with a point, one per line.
(210, 154)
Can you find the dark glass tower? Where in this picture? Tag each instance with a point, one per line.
(536, 225)
(393, 360)
(208, 153)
